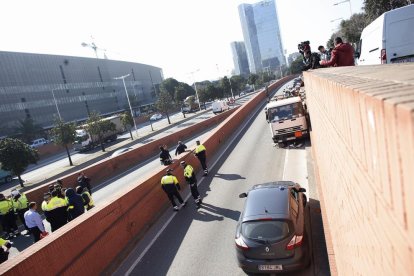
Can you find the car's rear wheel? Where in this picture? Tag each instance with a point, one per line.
(8, 179)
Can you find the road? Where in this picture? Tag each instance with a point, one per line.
(201, 242)
(107, 189)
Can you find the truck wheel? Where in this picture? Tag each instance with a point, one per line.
(8, 179)
(281, 145)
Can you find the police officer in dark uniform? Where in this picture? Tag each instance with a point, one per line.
(170, 185)
(191, 179)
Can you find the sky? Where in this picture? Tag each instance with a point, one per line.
(188, 39)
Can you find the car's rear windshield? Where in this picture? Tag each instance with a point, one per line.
(265, 230)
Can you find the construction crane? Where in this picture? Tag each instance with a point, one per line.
(95, 48)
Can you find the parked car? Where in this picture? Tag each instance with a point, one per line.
(156, 116)
(38, 142)
(271, 235)
(5, 176)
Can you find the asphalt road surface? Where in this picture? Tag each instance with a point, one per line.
(201, 242)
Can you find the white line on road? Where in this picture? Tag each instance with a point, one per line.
(188, 196)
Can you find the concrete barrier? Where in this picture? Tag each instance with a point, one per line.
(87, 245)
(363, 143)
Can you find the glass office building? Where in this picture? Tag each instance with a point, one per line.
(241, 64)
(261, 33)
(37, 86)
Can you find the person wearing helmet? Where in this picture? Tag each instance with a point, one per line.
(171, 187)
(191, 179)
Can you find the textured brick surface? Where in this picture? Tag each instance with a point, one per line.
(87, 245)
(363, 140)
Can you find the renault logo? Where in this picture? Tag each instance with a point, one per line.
(267, 249)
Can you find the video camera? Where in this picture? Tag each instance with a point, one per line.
(304, 46)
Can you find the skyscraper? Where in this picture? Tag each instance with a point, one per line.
(260, 26)
(241, 65)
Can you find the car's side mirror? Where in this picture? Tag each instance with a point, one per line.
(242, 195)
(302, 190)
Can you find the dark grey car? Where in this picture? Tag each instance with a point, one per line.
(270, 234)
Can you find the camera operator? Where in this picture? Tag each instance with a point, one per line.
(310, 60)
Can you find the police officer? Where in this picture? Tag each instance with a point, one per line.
(191, 179)
(170, 185)
(200, 152)
(86, 196)
(84, 182)
(7, 217)
(21, 205)
(56, 208)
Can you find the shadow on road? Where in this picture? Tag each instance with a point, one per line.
(229, 176)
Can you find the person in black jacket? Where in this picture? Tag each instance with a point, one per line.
(165, 156)
(180, 148)
(75, 204)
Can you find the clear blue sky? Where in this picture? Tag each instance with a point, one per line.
(179, 36)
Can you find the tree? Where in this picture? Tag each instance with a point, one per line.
(29, 130)
(252, 80)
(238, 83)
(169, 85)
(225, 86)
(352, 28)
(16, 156)
(374, 8)
(182, 91)
(64, 134)
(296, 65)
(204, 95)
(127, 122)
(98, 127)
(165, 104)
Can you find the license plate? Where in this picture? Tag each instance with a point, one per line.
(298, 134)
(270, 267)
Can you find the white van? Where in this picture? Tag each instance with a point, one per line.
(389, 38)
(38, 143)
(219, 106)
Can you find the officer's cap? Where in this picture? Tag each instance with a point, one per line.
(169, 170)
(182, 163)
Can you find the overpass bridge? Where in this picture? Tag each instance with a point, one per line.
(363, 159)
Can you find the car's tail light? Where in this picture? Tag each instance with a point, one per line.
(383, 56)
(241, 244)
(296, 241)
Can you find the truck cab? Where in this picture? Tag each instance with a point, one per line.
(287, 118)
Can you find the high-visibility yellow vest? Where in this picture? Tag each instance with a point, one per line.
(5, 206)
(21, 203)
(91, 203)
(2, 242)
(169, 179)
(188, 171)
(200, 148)
(55, 202)
(44, 206)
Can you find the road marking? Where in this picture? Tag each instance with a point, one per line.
(188, 196)
(285, 166)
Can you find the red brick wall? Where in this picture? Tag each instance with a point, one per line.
(363, 138)
(87, 245)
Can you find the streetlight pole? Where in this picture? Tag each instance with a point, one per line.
(129, 103)
(231, 89)
(57, 108)
(195, 86)
(349, 1)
